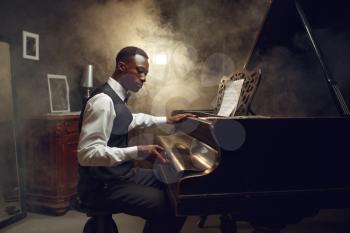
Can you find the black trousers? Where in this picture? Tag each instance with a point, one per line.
(140, 193)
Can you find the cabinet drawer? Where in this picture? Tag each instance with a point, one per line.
(67, 127)
(51, 150)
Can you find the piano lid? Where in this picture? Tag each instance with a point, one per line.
(282, 22)
(288, 23)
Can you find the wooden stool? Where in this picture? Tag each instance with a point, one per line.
(100, 221)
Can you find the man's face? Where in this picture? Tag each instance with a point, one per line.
(134, 75)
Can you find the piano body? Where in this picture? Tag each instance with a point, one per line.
(269, 171)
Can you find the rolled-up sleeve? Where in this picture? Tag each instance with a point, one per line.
(142, 120)
(96, 129)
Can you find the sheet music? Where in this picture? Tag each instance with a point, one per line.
(231, 97)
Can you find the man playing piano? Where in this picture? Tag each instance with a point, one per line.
(108, 179)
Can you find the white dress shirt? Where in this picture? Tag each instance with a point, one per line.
(97, 126)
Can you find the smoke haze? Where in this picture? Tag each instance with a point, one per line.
(200, 45)
(203, 40)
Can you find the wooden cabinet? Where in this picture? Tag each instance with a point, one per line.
(51, 162)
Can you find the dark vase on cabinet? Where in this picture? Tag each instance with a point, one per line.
(52, 167)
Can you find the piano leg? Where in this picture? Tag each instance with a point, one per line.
(268, 228)
(202, 220)
(227, 224)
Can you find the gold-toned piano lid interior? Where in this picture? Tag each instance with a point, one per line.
(187, 154)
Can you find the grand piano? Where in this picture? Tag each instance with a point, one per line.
(270, 171)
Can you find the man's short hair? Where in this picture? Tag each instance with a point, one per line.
(127, 52)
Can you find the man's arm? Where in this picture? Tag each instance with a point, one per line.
(145, 120)
(96, 129)
(142, 120)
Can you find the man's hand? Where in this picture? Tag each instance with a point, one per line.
(151, 153)
(178, 118)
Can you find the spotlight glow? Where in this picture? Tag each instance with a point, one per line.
(161, 59)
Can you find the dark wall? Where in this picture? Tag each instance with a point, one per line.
(57, 55)
(217, 35)
(48, 19)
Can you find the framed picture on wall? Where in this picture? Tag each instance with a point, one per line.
(58, 93)
(30, 45)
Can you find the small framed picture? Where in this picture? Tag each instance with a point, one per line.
(30, 45)
(59, 93)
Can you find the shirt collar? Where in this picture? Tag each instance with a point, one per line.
(118, 88)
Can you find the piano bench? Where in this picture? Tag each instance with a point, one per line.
(100, 221)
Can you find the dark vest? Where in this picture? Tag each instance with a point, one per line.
(92, 178)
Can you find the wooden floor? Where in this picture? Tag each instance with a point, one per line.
(330, 221)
